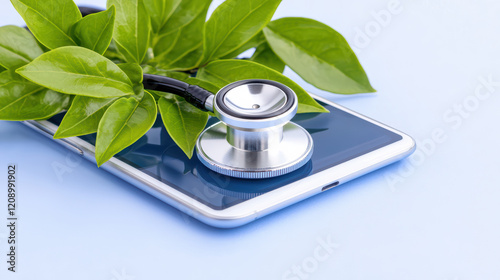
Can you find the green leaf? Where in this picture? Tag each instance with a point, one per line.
(113, 53)
(22, 100)
(160, 11)
(148, 69)
(156, 94)
(187, 62)
(131, 29)
(83, 116)
(50, 21)
(252, 43)
(123, 123)
(178, 44)
(265, 56)
(17, 47)
(95, 31)
(133, 71)
(183, 121)
(42, 46)
(318, 54)
(78, 71)
(234, 23)
(224, 72)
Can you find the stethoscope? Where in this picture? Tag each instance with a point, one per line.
(254, 138)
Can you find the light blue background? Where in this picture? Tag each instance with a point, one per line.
(434, 216)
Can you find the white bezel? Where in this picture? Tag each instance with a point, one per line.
(259, 206)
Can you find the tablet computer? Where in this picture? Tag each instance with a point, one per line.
(346, 145)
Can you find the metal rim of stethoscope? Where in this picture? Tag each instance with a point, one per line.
(289, 166)
(223, 108)
(238, 118)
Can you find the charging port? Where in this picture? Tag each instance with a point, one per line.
(327, 187)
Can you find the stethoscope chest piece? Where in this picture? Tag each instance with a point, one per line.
(255, 138)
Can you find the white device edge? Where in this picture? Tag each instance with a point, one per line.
(259, 206)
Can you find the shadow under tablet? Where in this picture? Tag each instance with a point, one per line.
(338, 137)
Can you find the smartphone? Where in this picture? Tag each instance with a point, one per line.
(346, 145)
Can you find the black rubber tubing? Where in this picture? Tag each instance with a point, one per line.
(192, 93)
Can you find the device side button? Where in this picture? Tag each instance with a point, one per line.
(330, 186)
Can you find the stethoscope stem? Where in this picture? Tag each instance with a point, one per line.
(199, 97)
